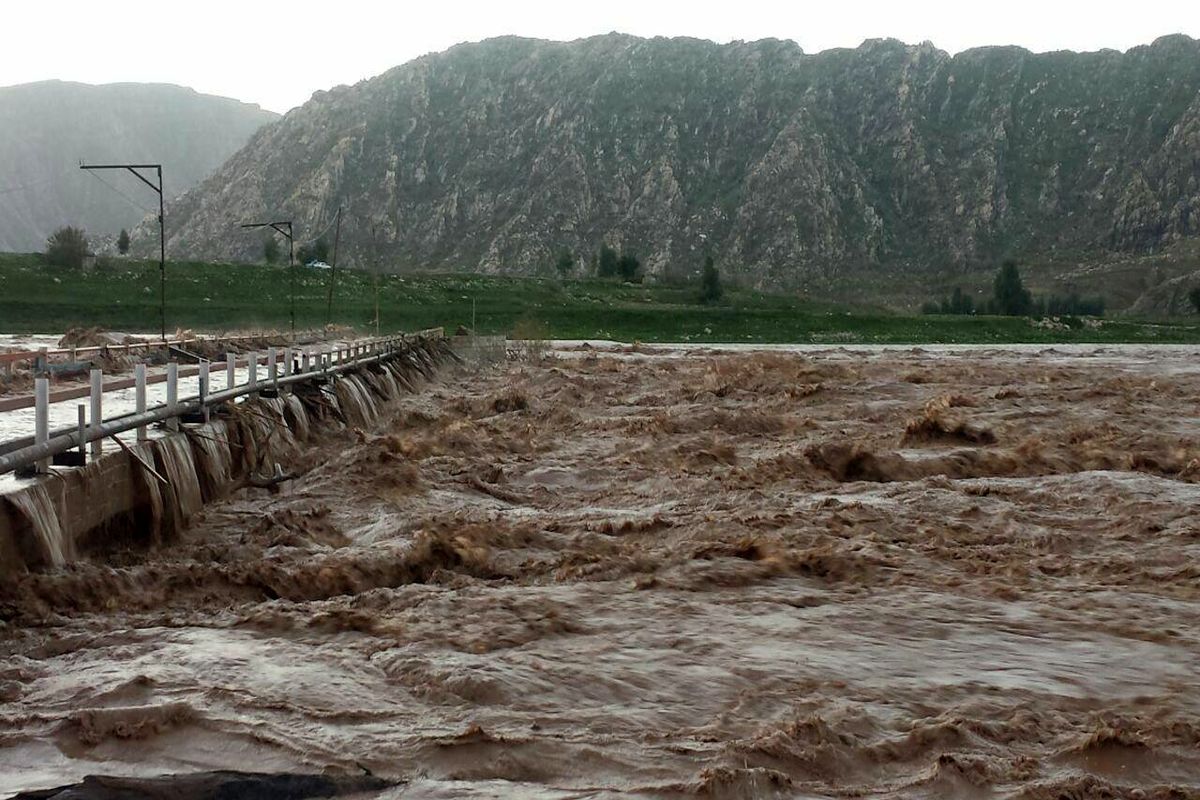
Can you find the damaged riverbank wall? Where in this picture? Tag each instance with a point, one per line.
(145, 495)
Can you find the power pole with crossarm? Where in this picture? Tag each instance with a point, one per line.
(279, 227)
(162, 232)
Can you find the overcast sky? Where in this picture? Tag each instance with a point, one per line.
(277, 54)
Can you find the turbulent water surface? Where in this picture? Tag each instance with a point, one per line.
(899, 574)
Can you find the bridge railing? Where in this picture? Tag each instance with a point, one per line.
(272, 370)
(9, 359)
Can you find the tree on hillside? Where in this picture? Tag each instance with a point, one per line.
(123, 242)
(607, 262)
(67, 247)
(565, 263)
(959, 303)
(315, 251)
(321, 250)
(1009, 294)
(270, 250)
(628, 266)
(710, 282)
(1194, 298)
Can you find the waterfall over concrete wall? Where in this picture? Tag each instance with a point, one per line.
(214, 459)
(173, 454)
(355, 401)
(119, 498)
(40, 513)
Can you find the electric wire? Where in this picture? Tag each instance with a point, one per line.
(128, 199)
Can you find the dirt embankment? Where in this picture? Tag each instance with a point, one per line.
(833, 574)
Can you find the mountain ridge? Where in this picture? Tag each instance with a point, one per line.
(48, 127)
(789, 167)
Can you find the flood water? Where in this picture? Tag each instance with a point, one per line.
(828, 573)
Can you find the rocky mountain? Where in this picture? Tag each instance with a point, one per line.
(47, 128)
(888, 158)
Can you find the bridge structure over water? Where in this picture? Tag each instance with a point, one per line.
(212, 424)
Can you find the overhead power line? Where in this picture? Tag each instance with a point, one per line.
(127, 198)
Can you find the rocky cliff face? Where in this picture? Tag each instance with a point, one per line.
(789, 166)
(47, 128)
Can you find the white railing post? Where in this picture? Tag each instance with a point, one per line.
(41, 417)
(173, 394)
(204, 390)
(230, 370)
(304, 360)
(272, 374)
(287, 361)
(139, 377)
(252, 370)
(97, 412)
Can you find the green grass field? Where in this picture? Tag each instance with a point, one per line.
(35, 298)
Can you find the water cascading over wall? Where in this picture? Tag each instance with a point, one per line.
(39, 511)
(149, 499)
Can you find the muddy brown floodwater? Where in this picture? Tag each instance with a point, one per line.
(828, 574)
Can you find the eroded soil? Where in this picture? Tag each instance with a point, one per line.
(897, 574)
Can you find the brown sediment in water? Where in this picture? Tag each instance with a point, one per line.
(900, 574)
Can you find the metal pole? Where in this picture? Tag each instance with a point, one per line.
(173, 394)
(272, 374)
(292, 273)
(162, 231)
(230, 367)
(337, 235)
(139, 373)
(97, 413)
(41, 418)
(252, 374)
(162, 261)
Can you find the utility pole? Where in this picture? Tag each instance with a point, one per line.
(337, 235)
(279, 227)
(162, 232)
(375, 272)
(377, 300)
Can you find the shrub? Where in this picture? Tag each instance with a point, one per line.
(607, 262)
(564, 263)
(317, 251)
(628, 266)
(67, 247)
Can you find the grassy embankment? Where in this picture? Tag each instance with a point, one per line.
(35, 298)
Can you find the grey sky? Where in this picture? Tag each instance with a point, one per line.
(277, 54)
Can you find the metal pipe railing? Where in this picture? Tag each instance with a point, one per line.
(381, 350)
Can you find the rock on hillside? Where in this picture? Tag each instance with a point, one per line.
(885, 159)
